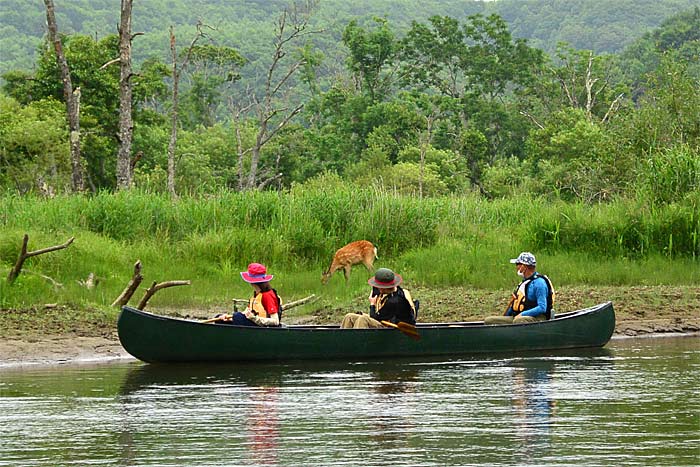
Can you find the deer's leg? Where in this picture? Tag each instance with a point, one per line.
(346, 272)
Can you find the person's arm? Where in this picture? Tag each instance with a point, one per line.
(269, 302)
(509, 310)
(273, 320)
(539, 289)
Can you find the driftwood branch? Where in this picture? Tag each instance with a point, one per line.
(24, 255)
(301, 301)
(285, 306)
(134, 283)
(155, 287)
(54, 282)
(91, 281)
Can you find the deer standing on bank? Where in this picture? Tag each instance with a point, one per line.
(353, 253)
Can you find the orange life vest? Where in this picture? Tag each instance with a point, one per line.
(256, 306)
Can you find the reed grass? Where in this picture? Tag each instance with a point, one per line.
(454, 240)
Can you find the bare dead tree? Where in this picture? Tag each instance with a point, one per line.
(426, 140)
(126, 124)
(155, 287)
(589, 84)
(24, 255)
(178, 68)
(131, 287)
(292, 27)
(71, 96)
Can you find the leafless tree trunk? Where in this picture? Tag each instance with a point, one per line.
(173, 117)
(126, 125)
(177, 70)
(425, 141)
(72, 98)
(292, 26)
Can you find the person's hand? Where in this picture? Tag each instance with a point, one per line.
(248, 313)
(372, 299)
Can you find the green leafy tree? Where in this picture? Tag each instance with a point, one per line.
(478, 65)
(573, 159)
(211, 68)
(372, 57)
(99, 111)
(34, 148)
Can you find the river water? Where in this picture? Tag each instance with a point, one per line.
(634, 402)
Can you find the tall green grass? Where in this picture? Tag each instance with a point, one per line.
(306, 225)
(452, 240)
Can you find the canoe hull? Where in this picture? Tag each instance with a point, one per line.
(154, 338)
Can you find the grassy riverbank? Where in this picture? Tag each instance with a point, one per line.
(453, 253)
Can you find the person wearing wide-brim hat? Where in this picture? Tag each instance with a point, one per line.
(265, 306)
(532, 300)
(387, 302)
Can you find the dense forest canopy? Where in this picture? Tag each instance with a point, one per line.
(420, 98)
(598, 25)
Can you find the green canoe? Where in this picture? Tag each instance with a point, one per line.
(154, 338)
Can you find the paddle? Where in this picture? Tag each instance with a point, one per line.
(216, 318)
(408, 329)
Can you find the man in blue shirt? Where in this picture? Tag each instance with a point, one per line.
(533, 298)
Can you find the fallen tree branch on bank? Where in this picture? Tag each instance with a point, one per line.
(24, 255)
(285, 306)
(91, 281)
(54, 282)
(131, 287)
(295, 303)
(155, 287)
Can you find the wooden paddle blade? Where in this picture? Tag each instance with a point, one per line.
(405, 328)
(409, 329)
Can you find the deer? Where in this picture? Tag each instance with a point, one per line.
(361, 251)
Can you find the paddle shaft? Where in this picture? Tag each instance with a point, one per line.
(512, 300)
(212, 320)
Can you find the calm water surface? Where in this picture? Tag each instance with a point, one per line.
(633, 403)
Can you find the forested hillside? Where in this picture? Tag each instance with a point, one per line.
(598, 25)
(420, 103)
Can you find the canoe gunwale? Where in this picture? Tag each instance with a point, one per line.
(330, 327)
